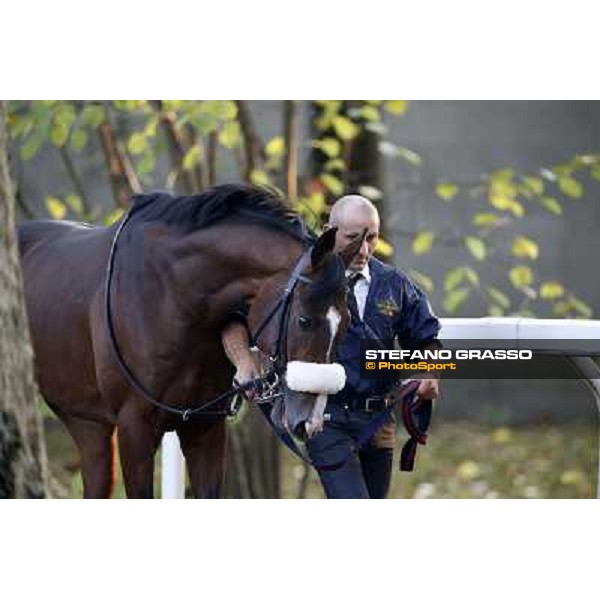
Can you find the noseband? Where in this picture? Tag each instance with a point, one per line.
(268, 386)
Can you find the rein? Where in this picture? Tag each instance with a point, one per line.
(266, 384)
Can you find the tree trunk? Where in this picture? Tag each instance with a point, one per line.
(22, 450)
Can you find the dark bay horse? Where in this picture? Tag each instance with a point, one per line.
(181, 266)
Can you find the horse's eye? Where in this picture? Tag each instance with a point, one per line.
(305, 323)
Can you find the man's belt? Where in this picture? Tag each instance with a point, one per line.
(373, 404)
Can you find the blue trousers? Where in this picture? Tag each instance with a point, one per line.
(365, 474)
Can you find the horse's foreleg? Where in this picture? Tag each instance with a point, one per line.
(95, 443)
(138, 442)
(204, 448)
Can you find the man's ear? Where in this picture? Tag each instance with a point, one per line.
(351, 250)
(323, 245)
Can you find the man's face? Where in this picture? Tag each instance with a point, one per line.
(354, 222)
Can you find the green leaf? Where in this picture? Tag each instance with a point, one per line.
(476, 247)
(384, 248)
(275, 146)
(570, 187)
(59, 133)
(93, 115)
(550, 290)
(335, 164)
(485, 219)
(376, 127)
(204, 122)
(422, 242)
(396, 107)
(535, 184)
(344, 127)
(369, 113)
(191, 158)
(146, 165)
(79, 139)
(137, 143)
(422, 280)
(56, 207)
(500, 298)
(113, 217)
(446, 191)
(370, 192)
(581, 307)
(595, 171)
(523, 247)
(471, 275)
(333, 184)
(329, 146)
(409, 156)
(31, 146)
(552, 205)
(453, 278)
(506, 203)
(495, 311)
(561, 308)
(227, 109)
(455, 299)
(74, 202)
(258, 177)
(521, 276)
(230, 135)
(317, 203)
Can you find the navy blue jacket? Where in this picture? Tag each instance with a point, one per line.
(395, 309)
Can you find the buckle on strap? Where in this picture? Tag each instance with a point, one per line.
(375, 404)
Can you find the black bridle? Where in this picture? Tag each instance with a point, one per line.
(267, 386)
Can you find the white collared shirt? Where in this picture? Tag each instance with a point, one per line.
(361, 289)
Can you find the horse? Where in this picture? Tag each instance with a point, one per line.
(153, 318)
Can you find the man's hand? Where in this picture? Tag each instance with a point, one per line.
(429, 389)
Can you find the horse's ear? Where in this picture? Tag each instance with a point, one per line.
(351, 250)
(323, 245)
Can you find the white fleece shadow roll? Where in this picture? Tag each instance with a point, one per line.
(315, 378)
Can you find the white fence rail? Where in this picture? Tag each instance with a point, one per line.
(488, 328)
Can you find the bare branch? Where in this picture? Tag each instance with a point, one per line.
(290, 128)
(178, 144)
(123, 178)
(252, 143)
(213, 147)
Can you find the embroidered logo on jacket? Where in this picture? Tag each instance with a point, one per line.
(388, 307)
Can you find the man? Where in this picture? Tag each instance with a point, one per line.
(385, 305)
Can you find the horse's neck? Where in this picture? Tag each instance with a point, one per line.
(173, 297)
(192, 282)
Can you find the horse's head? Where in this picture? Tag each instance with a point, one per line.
(308, 330)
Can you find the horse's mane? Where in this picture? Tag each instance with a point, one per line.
(242, 202)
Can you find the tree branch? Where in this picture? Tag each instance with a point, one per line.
(123, 178)
(178, 144)
(252, 143)
(213, 147)
(290, 126)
